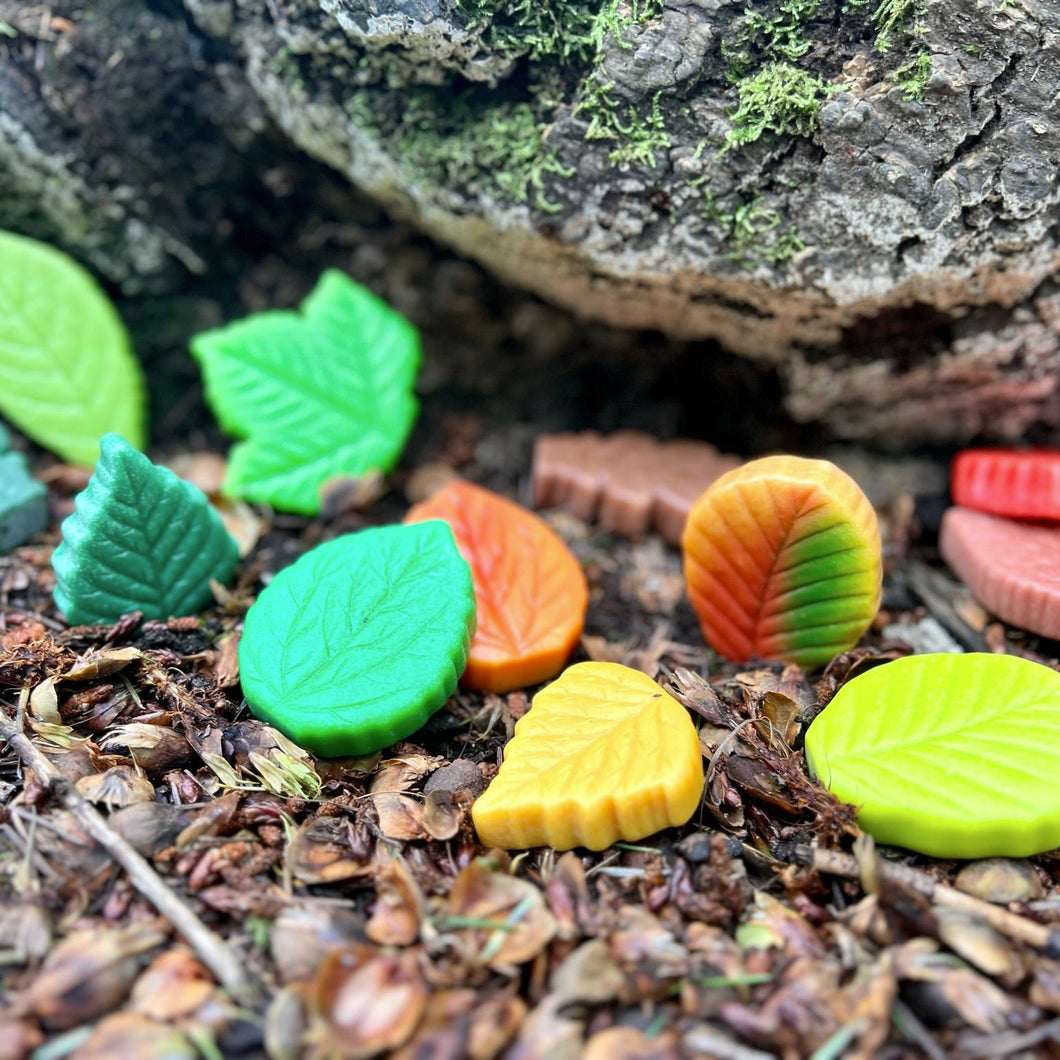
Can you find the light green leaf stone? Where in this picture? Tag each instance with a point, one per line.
(318, 394)
(140, 539)
(67, 372)
(956, 756)
(359, 642)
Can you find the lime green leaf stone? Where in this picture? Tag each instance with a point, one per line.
(140, 539)
(956, 756)
(360, 641)
(67, 372)
(317, 394)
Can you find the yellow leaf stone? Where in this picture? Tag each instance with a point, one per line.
(603, 754)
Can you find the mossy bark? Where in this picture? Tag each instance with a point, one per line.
(858, 196)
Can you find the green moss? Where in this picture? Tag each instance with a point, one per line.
(770, 38)
(914, 75)
(753, 234)
(485, 143)
(567, 31)
(896, 17)
(616, 16)
(636, 139)
(779, 98)
(493, 148)
(540, 29)
(775, 95)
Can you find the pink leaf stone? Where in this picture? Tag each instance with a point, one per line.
(627, 481)
(1012, 568)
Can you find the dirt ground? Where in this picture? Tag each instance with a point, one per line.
(177, 880)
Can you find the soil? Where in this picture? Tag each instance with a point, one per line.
(347, 909)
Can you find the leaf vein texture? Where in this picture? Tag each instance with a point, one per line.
(323, 393)
(67, 372)
(110, 563)
(951, 755)
(364, 663)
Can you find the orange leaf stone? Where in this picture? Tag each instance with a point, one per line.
(782, 561)
(604, 754)
(530, 591)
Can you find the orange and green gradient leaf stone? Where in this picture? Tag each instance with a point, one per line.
(604, 754)
(782, 561)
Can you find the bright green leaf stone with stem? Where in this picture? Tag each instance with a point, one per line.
(956, 756)
(359, 642)
(317, 394)
(67, 372)
(140, 539)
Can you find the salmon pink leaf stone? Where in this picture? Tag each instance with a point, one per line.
(629, 481)
(1012, 568)
(1017, 483)
(530, 592)
(951, 755)
(67, 372)
(603, 754)
(359, 642)
(139, 539)
(782, 560)
(318, 394)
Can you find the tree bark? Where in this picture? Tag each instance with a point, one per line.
(858, 198)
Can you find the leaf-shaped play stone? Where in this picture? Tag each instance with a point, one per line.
(783, 561)
(359, 642)
(1013, 568)
(603, 754)
(629, 481)
(67, 372)
(23, 500)
(1015, 483)
(318, 394)
(955, 756)
(140, 539)
(530, 592)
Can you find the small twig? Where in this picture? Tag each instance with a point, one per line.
(704, 1040)
(209, 947)
(905, 1019)
(722, 747)
(937, 591)
(1008, 1042)
(835, 863)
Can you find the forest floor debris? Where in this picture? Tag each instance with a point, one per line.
(178, 879)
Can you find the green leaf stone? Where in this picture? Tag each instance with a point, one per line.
(956, 756)
(140, 539)
(359, 642)
(318, 394)
(23, 500)
(67, 372)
